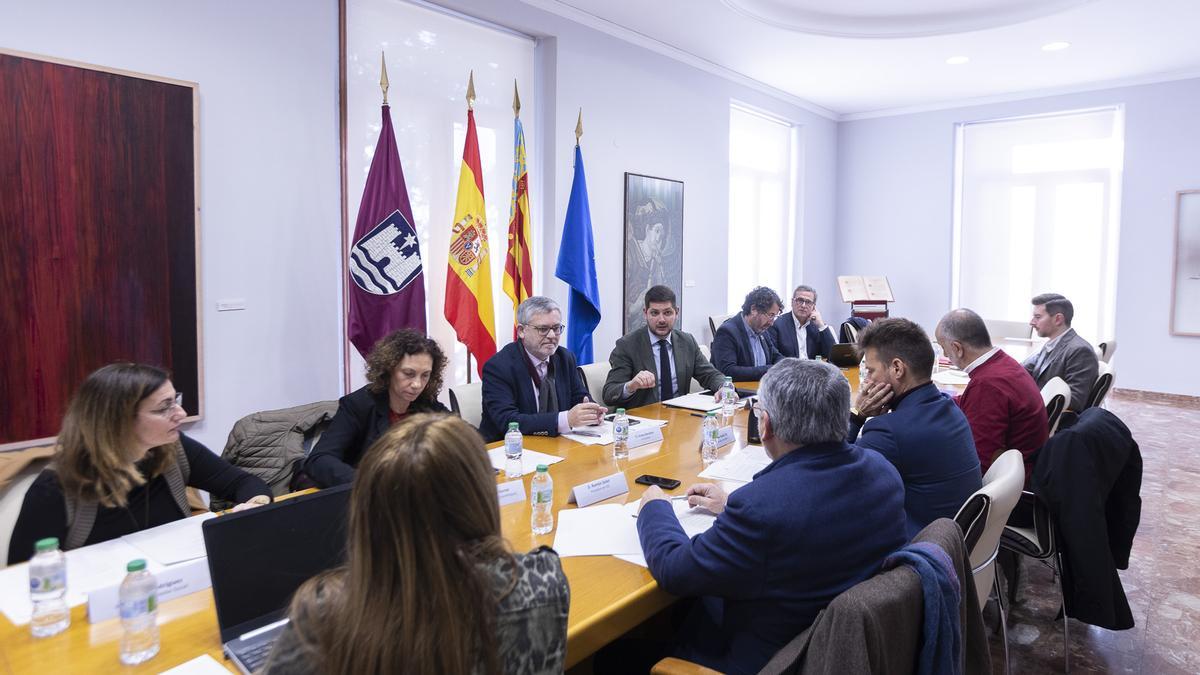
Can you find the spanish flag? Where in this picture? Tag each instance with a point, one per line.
(469, 276)
(518, 268)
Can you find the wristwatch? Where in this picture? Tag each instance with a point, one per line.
(857, 415)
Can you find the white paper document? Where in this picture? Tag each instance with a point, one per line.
(174, 542)
(602, 434)
(529, 459)
(201, 665)
(596, 530)
(694, 520)
(951, 377)
(701, 402)
(739, 466)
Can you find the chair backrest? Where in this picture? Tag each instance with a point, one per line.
(467, 401)
(848, 333)
(1055, 387)
(1000, 329)
(706, 352)
(12, 496)
(1103, 383)
(594, 375)
(715, 321)
(1002, 485)
(1107, 349)
(1054, 411)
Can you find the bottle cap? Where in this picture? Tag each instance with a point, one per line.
(729, 379)
(620, 411)
(711, 413)
(514, 426)
(136, 565)
(542, 468)
(47, 544)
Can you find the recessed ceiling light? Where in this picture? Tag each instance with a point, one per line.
(1055, 46)
(957, 60)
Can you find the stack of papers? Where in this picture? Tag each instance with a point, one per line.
(738, 466)
(701, 402)
(694, 520)
(529, 459)
(175, 542)
(611, 529)
(602, 434)
(951, 377)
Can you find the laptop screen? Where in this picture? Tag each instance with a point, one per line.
(259, 557)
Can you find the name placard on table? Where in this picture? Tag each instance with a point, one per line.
(644, 435)
(175, 581)
(599, 489)
(511, 492)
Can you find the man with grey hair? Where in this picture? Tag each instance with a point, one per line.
(817, 520)
(802, 333)
(1065, 354)
(533, 381)
(1002, 405)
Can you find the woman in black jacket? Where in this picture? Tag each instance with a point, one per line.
(404, 377)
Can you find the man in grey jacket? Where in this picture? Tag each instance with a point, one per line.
(1065, 354)
(655, 362)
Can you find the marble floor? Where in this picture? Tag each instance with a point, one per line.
(1163, 579)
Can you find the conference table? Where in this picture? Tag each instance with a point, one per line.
(609, 597)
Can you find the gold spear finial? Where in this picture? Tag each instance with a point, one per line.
(516, 100)
(471, 91)
(579, 127)
(383, 81)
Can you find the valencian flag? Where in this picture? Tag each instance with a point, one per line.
(385, 260)
(518, 269)
(469, 276)
(577, 263)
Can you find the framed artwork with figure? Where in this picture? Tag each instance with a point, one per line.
(1185, 291)
(653, 241)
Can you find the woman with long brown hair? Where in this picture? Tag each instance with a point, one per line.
(404, 377)
(429, 585)
(122, 465)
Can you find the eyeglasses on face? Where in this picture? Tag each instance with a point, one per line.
(546, 330)
(804, 302)
(167, 410)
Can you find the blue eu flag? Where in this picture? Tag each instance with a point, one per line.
(577, 267)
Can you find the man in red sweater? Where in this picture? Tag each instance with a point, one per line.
(1001, 402)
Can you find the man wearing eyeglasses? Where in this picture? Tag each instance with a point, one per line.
(533, 381)
(743, 347)
(656, 362)
(802, 333)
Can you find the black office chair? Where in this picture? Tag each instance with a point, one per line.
(1054, 411)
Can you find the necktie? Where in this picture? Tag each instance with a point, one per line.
(664, 371)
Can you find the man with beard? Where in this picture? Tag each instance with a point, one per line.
(657, 362)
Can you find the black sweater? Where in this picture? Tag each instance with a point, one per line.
(44, 511)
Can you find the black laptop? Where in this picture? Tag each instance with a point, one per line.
(259, 557)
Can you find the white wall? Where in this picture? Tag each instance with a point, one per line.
(646, 113)
(269, 180)
(894, 214)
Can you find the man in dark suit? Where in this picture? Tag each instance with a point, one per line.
(925, 436)
(816, 521)
(1065, 354)
(533, 381)
(743, 347)
(802, 333)
(657, 363)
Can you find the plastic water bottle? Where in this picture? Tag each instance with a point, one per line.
(48, 589)
(541, 495)
(513, 440)
(708, 438)
(729, 399)
(621, 435)
(139, 614)
(937, 357)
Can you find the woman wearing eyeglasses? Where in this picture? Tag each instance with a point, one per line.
(429, 584)
(404, 377)
(122, 465)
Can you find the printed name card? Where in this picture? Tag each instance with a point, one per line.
(644, 434)
(511, 492)
(725, 436)
(173, 582)
(599, 490)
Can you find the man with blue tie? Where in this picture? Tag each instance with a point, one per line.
(743, 347)
(657, 363)
(802, 333)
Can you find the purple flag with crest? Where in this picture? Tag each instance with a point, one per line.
(387, 289)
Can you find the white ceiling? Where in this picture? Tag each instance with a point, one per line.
(895, 60)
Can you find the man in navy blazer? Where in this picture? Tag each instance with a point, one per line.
(804, 319)
(816, 521)
(533, 381)
(743, 347)
(925, 436)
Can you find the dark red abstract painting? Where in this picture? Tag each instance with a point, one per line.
(98, 235)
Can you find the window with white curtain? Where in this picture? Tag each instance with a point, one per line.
(1038, 210)
(762, 203)
(429, 56)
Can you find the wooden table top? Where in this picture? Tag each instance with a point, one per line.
(608, 596)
